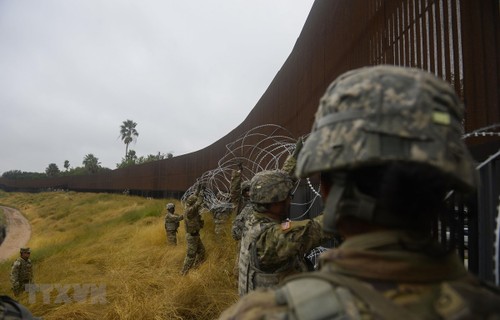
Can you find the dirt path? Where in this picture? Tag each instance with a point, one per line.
(18, 233)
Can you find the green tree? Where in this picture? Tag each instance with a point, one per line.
(52, 170)
(66, 165)
(91, 163)
(128, 133)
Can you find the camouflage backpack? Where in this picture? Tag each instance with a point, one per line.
(321, 295)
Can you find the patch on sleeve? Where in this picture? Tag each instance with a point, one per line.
(285, 225)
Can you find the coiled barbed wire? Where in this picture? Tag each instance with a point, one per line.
(264, 147)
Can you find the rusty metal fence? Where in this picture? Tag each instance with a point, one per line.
(458, 40)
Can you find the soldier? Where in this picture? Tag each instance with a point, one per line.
(192, 220)
(172, 222)
(9, 308)
(387, 143)
(272, 246)
(21, 272)
(238, 227)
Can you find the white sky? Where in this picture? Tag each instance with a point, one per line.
(188, 72)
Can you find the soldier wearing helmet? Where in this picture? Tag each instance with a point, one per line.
(195, 252)
(238, 228)
(387, 143)
(172, 222)
(21, 272)
(10, 308)
(272, 246)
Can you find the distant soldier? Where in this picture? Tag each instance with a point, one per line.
(172, 222)
(10, 309)
(21, 272)
(192, 220)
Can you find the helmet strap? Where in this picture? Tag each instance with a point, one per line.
(344, 199)
(332, 200)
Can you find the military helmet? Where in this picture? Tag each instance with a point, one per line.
(270, 186)
(191, 200)
(375, 115)
(25, 250)
(170, 206)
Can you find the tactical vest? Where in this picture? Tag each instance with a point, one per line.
(250, 275)
(24, 271)
(321, 295)
(171, 222)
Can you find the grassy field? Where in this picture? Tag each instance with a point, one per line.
(105, 256)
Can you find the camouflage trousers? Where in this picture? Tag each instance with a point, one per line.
(18, 289)
(236, 268)
(195, 252)
(171, 236)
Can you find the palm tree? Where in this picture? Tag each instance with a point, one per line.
(91, 163)
(52, 170)
(128, 133)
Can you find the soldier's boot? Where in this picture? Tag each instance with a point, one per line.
(188, 263)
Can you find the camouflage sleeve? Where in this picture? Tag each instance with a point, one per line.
(325, 236)
(235, 187)
(276, 245)
(258, 304)
(179, 218)
(14, 273)
(238, 226)
(289, 165)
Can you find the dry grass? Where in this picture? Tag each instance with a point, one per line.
(119, 242)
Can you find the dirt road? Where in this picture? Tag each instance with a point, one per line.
(18, 233)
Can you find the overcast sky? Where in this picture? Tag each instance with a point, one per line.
(187, 72)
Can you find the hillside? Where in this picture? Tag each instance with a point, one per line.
(104, 256)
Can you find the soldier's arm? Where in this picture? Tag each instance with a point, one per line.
(291, 160)
(278, 244)
(235, 187)
(237, 227)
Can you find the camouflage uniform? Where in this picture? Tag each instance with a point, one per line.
(192, 220)
(238, 227)
(397, 122)
(272, 249)
(237, 189)
(240, 202)
(21, 273)
(172, 222)
(221, 214)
